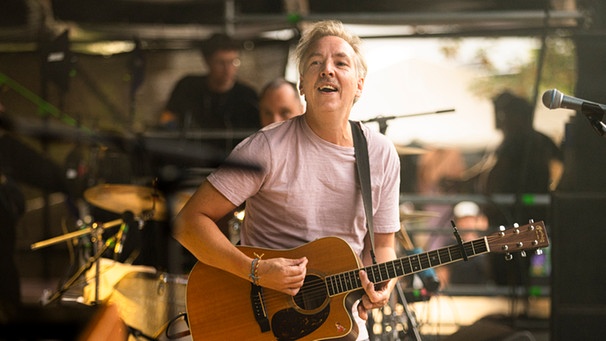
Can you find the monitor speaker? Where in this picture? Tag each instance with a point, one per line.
(578, 298)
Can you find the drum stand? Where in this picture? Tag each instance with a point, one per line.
(96, 231)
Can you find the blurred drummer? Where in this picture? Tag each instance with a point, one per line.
(279, 101)
(216, 100)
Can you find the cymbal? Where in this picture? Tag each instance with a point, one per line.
(143, 202)
(405, 150)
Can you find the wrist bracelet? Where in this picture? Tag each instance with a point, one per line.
(254, 269)
(254, 266)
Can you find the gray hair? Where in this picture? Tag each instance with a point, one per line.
(275, 84)
(326, 28)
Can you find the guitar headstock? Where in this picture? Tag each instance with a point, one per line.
(532, 236)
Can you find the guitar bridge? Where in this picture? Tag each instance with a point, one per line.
(258, 305)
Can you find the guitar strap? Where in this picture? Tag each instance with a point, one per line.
(363, 166)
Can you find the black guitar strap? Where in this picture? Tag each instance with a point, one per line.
(363, 166)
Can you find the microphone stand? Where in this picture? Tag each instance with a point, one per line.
(100, 248)
(412, 322)
(595, 114)
(382, 120)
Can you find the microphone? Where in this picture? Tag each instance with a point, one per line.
(554, 99)
(594, 112)
(128, 219)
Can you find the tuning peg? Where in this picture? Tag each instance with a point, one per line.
(523, 253)
(531, 221)
(538, 252)
(508, 256)
(502, 231)
(516, 228)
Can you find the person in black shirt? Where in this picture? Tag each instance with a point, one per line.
(527, 163)
(216, 101)
(525, 159)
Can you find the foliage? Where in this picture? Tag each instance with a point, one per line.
(558, 71)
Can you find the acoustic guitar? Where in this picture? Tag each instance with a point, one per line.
(221, 306)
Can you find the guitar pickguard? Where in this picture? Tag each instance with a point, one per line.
(292, 323)
(289, 324)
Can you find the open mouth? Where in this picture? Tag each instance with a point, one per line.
(327, 88)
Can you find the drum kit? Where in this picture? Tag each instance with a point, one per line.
(101, 176)
(151, 303)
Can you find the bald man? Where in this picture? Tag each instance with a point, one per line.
(279, 101)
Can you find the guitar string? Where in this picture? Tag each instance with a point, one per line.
(317, 288)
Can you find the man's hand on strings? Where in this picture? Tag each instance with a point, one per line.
(373, 297)
(283, 274)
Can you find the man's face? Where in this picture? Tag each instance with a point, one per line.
(330, 81)
(223, 68)
(279, 105)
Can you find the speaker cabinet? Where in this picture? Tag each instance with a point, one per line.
(578, 298)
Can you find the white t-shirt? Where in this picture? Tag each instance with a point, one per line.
(308, 188)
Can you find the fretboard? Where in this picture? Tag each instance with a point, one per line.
(350, 280)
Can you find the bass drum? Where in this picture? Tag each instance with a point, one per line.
(150, 303)
(153, 304)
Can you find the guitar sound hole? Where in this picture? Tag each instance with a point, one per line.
(312, 295)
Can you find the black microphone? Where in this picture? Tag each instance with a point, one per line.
(554, 99)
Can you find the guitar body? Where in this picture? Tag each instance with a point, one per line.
(219, 304)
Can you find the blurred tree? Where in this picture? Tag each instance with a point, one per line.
(558, 71)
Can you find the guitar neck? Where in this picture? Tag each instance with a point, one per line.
(350, 280)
